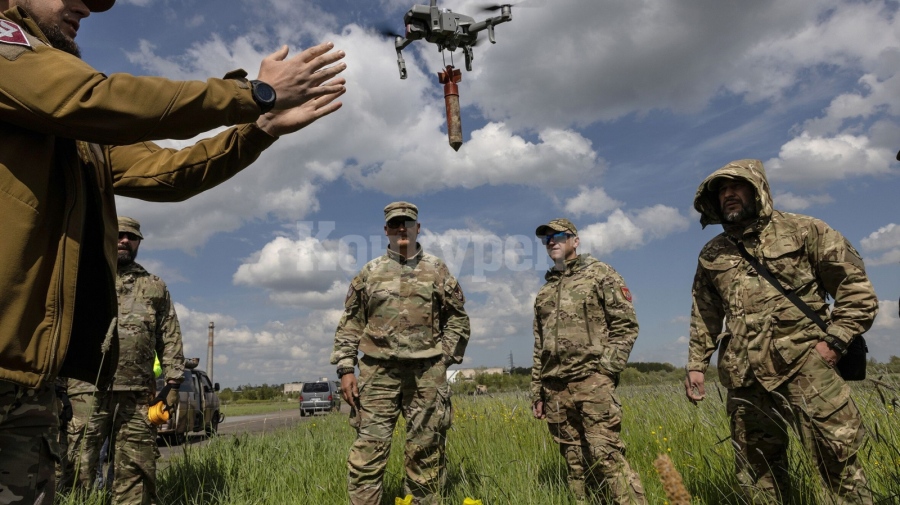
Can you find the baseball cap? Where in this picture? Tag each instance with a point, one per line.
(129, 225)
(558, 224)
(401, 209)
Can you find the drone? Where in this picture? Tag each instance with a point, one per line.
(449, 31)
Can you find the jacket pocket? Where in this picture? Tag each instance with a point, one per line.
(788, 262)
(826, 400)
(722, 270)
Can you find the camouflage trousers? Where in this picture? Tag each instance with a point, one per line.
(816, 404)
(71, 438)
(29, 448)
(585, 419)
(122, 416)
(418, 389)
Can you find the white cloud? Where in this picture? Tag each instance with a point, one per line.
(631, 230)
(305, 272)
(278, 352)
(494, 156)
(887, 318)
(611, 60)
(790, 202)
(507, 310)
(591, 201)
(887, 239)
(823, 159)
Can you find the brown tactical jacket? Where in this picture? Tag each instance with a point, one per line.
(765, 336)
(59, 226)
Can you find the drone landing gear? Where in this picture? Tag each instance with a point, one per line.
(449, 77)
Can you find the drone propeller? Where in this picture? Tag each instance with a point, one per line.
(497, 7)
(386, 31)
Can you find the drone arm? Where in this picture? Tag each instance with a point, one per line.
(489, 23)
(399, 44)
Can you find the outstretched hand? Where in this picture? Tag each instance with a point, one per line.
(282, 122)
(303, 77)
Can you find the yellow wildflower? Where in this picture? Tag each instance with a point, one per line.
(471, 501)
(403, 501)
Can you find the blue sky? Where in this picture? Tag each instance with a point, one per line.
(607, 112)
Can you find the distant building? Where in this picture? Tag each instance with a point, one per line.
(293, 387)
(468, 374)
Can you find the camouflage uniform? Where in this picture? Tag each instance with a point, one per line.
(71, 438)
(584, 329)
(406, 316)
(147, 325)
(29, 427)
(774, 377)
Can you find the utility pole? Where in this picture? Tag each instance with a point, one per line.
(511, 365)
(209, 352)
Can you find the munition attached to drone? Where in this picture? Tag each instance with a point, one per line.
(449, 31)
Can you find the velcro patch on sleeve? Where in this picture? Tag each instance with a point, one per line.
(13, 41)
(626, 293)
(11, 33)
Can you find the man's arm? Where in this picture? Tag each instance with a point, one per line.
(347, 336)
(621, 321)
(351, 326)
(843, 275)
(53, 92)
(455, 328)
(707, 314)
(537, 403)
(149, 172)
(168, 341)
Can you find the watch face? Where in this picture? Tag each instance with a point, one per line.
(264, 92)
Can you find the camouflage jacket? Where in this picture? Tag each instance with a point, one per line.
(399, 308)
(765, 336)
(147, 327)
(584, 322)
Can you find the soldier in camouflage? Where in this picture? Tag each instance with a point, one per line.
(404, 312)
(777, 364)
(147, 326)
(71, 434)
(584, 329)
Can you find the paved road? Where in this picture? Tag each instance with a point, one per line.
(260, 423)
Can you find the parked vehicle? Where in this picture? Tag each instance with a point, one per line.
(198, 405)
(323, 395)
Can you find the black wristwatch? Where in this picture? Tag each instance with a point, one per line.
(344, 370)
(263, 95)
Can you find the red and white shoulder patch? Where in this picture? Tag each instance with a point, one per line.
(626, 293)
(11, 33)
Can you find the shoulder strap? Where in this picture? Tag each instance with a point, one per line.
(790, 295)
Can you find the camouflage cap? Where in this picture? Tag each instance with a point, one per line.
(398, 209)
(99, 5)
(558, 224)
(129, 225)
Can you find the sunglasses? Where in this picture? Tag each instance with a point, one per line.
(131, 236)
(556, 237)
(393, 224)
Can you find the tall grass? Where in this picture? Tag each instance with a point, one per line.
(498, 453)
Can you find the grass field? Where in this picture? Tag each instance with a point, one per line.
(499, 454)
